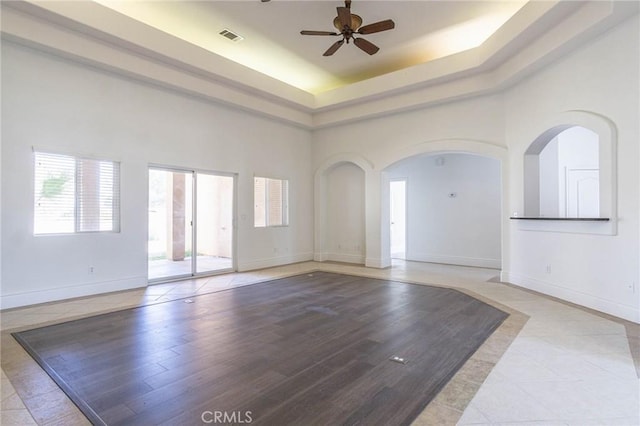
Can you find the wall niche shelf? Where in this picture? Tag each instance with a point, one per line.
(572, 219)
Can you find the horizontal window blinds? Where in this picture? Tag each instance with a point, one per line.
(75, 194)
(271, 197)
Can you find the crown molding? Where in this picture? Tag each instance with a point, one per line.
(91, 34)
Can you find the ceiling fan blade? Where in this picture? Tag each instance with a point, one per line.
(345, 17)
(335, 46)
(365, 45)
(320, 33)
(376, 27)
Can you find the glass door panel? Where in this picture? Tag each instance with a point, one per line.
(170, 224)
(214, 218)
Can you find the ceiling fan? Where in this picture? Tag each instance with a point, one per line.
(348, 26)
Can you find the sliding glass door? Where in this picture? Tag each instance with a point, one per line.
(190, 223)
(214, 230)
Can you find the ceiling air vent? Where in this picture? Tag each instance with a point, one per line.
(231, 35)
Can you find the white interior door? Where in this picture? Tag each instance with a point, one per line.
(583, 193)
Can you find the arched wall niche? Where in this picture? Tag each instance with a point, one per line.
(321, 197)
(606, 134)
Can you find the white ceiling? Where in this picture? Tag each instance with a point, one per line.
(272, 45)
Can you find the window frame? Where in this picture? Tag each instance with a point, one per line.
(284, 196)
(116, 194)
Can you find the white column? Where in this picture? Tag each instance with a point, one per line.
(320, 218)
(377, 220)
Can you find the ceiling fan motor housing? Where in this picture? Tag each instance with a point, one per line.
(356, 22)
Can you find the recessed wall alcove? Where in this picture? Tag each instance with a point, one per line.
(570, 175)
(340, 187)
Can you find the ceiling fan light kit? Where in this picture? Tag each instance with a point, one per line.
(348, 26)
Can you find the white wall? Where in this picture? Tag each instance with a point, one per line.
(61, 106)
(578, 148)
(549, 175)
(463, 229)
(599, 271)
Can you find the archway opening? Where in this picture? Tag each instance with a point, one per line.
(453, 208)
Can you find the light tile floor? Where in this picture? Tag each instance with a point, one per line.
(163, 268)
(550, 363)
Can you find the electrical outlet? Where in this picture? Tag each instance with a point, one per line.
(632, 287)
(548, 269)
(90, 269)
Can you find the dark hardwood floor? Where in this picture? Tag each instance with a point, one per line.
(310, 349)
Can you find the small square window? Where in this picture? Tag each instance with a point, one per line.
(271, 202)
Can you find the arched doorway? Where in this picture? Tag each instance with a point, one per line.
(451, 157)
(453, 208)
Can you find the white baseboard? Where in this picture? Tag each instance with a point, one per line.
(61, 293)
(346, 258)
(610, 307)
(320, 256)
(374, 262)
(455, 260)
(352, 258)
(273, 261)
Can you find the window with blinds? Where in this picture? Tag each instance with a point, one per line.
(271, 202)
(74, 195)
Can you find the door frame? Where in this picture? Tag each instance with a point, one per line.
(234, 220)
(569, 191)
(406, 215)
